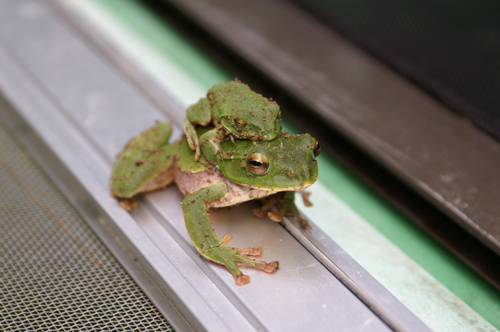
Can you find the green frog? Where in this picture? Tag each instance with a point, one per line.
(234, 111)
(243, 170)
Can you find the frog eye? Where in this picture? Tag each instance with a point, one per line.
(257, 163)
(240, 124)
(279, 115)
(316, 147)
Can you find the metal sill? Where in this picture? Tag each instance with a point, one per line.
(75, 110)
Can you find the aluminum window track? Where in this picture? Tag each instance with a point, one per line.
(75, 109)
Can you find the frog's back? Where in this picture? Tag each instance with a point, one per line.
(237, 100)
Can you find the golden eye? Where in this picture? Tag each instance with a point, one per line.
(316, 147)
(240, 123)
(257, 163)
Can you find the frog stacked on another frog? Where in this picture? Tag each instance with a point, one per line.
(241, 170)
(235, 111)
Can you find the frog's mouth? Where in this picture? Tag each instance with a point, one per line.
(241, 193)
(277, 188)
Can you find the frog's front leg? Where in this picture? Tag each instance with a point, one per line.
(278, 205)
(209, 143)
(197, 114)
(206, 240)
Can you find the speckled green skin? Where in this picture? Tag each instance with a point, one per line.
(142, 160)
(149, 162)
(289, 157)
(226, 103)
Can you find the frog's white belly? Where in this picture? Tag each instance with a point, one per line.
(188, 183)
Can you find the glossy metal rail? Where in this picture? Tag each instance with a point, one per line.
(75, 111)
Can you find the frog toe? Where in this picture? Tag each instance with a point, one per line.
(259, 212)
(274, 216)
(198, 153)
(251, 251)
(272, 267)
(226, 238)
(128, 203)
(304, 223)
(260, 265)
(236, 260)
(242, 279)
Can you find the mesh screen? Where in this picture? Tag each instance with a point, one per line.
(55, 273)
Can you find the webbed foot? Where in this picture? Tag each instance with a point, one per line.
(278, 205)
(238, 257)
(232, 259)
(242, 279)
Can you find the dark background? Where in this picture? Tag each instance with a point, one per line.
(451, 48)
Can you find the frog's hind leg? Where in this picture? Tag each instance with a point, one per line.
(206, 240)
(146, 163)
